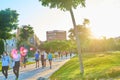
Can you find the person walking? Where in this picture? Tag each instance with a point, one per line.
(50, 59)
(42, 59)
(16, 59)
(5, 64)
(45, 57)
(37, 54)
(56, 55)
(23, 53)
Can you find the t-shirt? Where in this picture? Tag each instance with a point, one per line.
(49, 56)
(36, 55)
(5, 60)
(45, 55)
(17, 58)
(42, 57)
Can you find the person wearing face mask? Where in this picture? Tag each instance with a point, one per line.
(5, 64)
(15, 54)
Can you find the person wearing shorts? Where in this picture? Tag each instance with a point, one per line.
(50, 59)
(37, 54)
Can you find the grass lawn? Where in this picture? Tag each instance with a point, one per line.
(104, 65)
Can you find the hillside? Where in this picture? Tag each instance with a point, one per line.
(104, 65)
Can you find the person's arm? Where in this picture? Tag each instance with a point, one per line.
(8, 59)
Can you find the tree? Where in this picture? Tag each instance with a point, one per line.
(25, 33)
(84, 34)
(1, 46)
(67, 5)
(8, 22)
(56, 45)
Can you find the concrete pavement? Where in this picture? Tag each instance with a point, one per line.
(32, 73)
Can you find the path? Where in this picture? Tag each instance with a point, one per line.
(32, 73)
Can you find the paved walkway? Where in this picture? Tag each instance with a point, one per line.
(32, 73)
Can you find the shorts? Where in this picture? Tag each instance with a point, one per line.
(50, 59)
(36, 60)
(44, 59)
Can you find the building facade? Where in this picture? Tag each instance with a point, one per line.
(10, 44)
(56, 35)
(34, 40)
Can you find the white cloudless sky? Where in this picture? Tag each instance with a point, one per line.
(103, 15)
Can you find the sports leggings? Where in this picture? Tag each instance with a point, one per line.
(16, 68)
(5, 71)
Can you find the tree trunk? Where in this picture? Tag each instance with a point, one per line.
(5, 45)
(78, 42)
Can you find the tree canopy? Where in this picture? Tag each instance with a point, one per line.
(56, 45)
(25, 32)
(63, 4)
(8, 22)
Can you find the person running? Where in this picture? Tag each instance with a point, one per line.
(5, 64)
(16, 58)
(37, 54)
(50, 59)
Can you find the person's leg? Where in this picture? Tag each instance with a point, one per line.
(17, 72)
(14, 70)
(6, 71)
(42, 61)
(50, 62)
(17, 69)
(45, 63)
(3, 70)
(24, 63)
(37, 63)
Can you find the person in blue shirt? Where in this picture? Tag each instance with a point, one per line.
(37, 54)
(50, 59)
(5, 64)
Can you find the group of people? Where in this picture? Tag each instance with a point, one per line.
(43, 56)
(14, 60)
(17, 58)
(6, 63)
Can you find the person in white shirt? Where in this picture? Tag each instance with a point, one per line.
(45, 57)
(56, 55)
(16, 60)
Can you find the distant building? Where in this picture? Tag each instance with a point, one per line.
(34, 40)
(56, 35)
(10, 44)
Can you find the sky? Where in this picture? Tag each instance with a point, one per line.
(103, 15)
